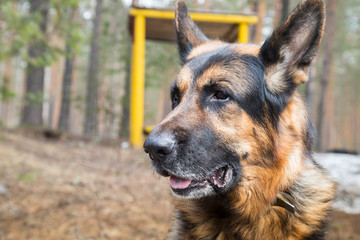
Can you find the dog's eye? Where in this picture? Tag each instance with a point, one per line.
(175, 100)
(220, 95)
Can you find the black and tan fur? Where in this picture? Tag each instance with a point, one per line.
(240, 132)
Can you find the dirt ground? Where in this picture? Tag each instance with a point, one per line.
(76, 189)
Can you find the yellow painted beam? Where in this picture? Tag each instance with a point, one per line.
(137, 83)
(205, 17)
(243, 35)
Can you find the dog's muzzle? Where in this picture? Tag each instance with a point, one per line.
(195, 161)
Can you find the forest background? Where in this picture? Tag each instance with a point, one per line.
(64, 65)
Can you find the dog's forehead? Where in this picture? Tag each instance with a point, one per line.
(215, 60)
(251, 49)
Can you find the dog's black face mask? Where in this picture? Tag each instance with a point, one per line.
(226, 101)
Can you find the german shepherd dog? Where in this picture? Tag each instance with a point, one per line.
(237, 145)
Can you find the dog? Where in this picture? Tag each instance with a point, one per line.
(237, 145)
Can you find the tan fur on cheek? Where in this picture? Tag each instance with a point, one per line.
(235, 128)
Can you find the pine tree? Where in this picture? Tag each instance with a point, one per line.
(91, 114)
(32, 111)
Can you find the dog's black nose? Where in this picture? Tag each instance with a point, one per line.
(159, 145)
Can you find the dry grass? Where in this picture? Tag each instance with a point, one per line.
(77, 190)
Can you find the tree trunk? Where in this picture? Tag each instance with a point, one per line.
(66, 89)
(32, 111)
(7, 85)
(196, 4)
(326, 71)
(253, 28)
(91, 114)
(281, 12)
(67, 81)
(135, 3)
(207, 5)
(259, 8)
(125, 117)
(285, 10)
(277, 10)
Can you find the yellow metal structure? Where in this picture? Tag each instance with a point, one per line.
(205, 17)
(243, 36)
(147, 129)
(138, 57)
(137, 82)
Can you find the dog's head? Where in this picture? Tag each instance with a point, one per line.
(228, 101)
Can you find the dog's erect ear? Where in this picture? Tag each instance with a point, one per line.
(188, 34)
(289, 51)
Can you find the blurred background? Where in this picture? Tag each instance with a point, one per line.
(65, 64)
(65, 165)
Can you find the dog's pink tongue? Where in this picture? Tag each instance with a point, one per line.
(179, 183)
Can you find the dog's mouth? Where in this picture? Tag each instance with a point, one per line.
(219, 179)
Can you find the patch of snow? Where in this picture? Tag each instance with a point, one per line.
(3, 190)
(345, 170)
(125, 145)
